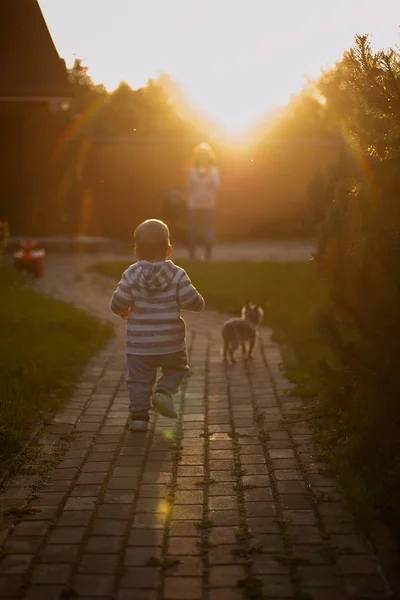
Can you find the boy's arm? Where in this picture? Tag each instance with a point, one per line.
(122, 299)
(188, 297)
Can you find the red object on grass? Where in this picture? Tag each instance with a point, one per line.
(26, 258)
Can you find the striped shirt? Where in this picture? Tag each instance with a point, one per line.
(155, 293)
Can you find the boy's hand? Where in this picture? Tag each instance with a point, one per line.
(125, 315)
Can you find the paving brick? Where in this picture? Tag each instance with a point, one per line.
(349, 544)
(138, 556)
(66, 535)
(226, 594)
(263, 525)
(221, 489)
(52, 574)
(140, 578)
(154, 491)
(323, 593)
(142, 537)
(16, 564)
(127, 484)
(281, 453)
(109, 511)
(108, 527)
(34, 528)
(183, 588)
(291, 487)
(312, 555)
(94, 585)
(20, 545)
(303, 534)
(119, 497)
(185, 546)
(221, 454)
(225, 555)
(260, 509)
(151, 505)
(90, 478)
(81, 503)
(56, 553)
(223, 535)
(270, 542)
(100, 544)
(191, 471)
(256, 481)
(150, 520)
(269, 565)
(188, 566)
(97, 466)
(222, 476)
(300, 517)
(44, 592)
(223, 502)
(277, 586)
(80, 491)
(252, 459)
(224, 517)
(139, 595)
(295, 501)
(317, 576)
(189, 497)
(361, 564)
(187, 511)
(223, 576)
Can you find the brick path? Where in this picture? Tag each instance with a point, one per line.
(230, 492)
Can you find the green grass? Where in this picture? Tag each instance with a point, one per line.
(290, 293)
(44, 344)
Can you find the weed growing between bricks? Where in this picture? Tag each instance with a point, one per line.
(263, 436)
(35, 462)
(45, 470)
(250, 585)
(205, 525)
(293, 562)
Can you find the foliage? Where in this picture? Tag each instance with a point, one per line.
(43, 347)
(358, 255)
(124, 112)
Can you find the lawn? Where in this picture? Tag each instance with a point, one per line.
(290, 293)
(44, 345)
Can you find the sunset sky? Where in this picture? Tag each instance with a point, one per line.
(235, 59)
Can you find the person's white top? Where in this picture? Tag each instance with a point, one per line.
(201, 187)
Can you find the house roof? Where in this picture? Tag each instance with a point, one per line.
(30, 67)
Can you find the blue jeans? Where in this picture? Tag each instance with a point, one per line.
(200, 222)
(142, 375)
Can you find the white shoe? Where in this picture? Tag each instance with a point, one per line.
(138, 425)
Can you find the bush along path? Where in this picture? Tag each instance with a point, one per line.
(227, 502)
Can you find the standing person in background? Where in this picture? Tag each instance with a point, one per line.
(201, 187)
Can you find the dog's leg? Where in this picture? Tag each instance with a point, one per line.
(244, 348)
(251, 346)
(225, 352)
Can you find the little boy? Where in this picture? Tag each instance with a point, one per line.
(150, 296)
